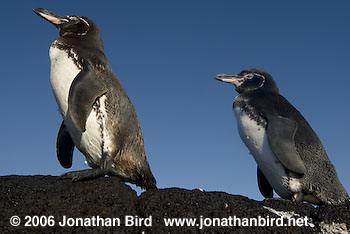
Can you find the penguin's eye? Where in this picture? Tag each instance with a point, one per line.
(249, 76)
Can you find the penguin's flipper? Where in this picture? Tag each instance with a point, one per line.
(64, 147)
(84, 91)
(264, 185)
(281, 132)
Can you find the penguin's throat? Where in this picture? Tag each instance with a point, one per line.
(250, 111)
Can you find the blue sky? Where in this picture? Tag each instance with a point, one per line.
(166, 54)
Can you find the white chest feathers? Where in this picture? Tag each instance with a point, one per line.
(63, 71)
(95, 139)
(255, 138)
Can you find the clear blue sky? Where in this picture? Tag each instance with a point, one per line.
(166, 54)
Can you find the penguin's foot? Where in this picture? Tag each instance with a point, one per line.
(105, 167)
(282, 199)
(83, 174)
(274, 199)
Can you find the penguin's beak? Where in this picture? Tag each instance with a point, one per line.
(51, 17)
(232, 79)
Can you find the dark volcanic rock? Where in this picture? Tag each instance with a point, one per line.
(48, 196)
(177, 203)
(97, 203)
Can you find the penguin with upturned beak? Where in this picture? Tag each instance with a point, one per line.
(98, 116)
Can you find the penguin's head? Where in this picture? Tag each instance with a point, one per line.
(72, 27)
(250, 80)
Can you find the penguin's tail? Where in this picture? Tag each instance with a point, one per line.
(147, 180)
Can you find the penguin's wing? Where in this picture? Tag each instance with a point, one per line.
(64, 147)
(264, 185)
(85, 89)
(281, 132)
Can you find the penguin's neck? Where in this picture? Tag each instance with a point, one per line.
(241, 103)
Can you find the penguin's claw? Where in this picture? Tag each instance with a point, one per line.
(298, 197)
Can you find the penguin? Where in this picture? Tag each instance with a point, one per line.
(290, 157)
(98, 116)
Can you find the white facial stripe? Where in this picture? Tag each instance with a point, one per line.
(79, 34)
(84, 33)
(256, 74)
(84, 21)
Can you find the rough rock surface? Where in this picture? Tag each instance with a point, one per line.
(35, 198)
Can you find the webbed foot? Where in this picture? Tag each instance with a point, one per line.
(104, 169)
